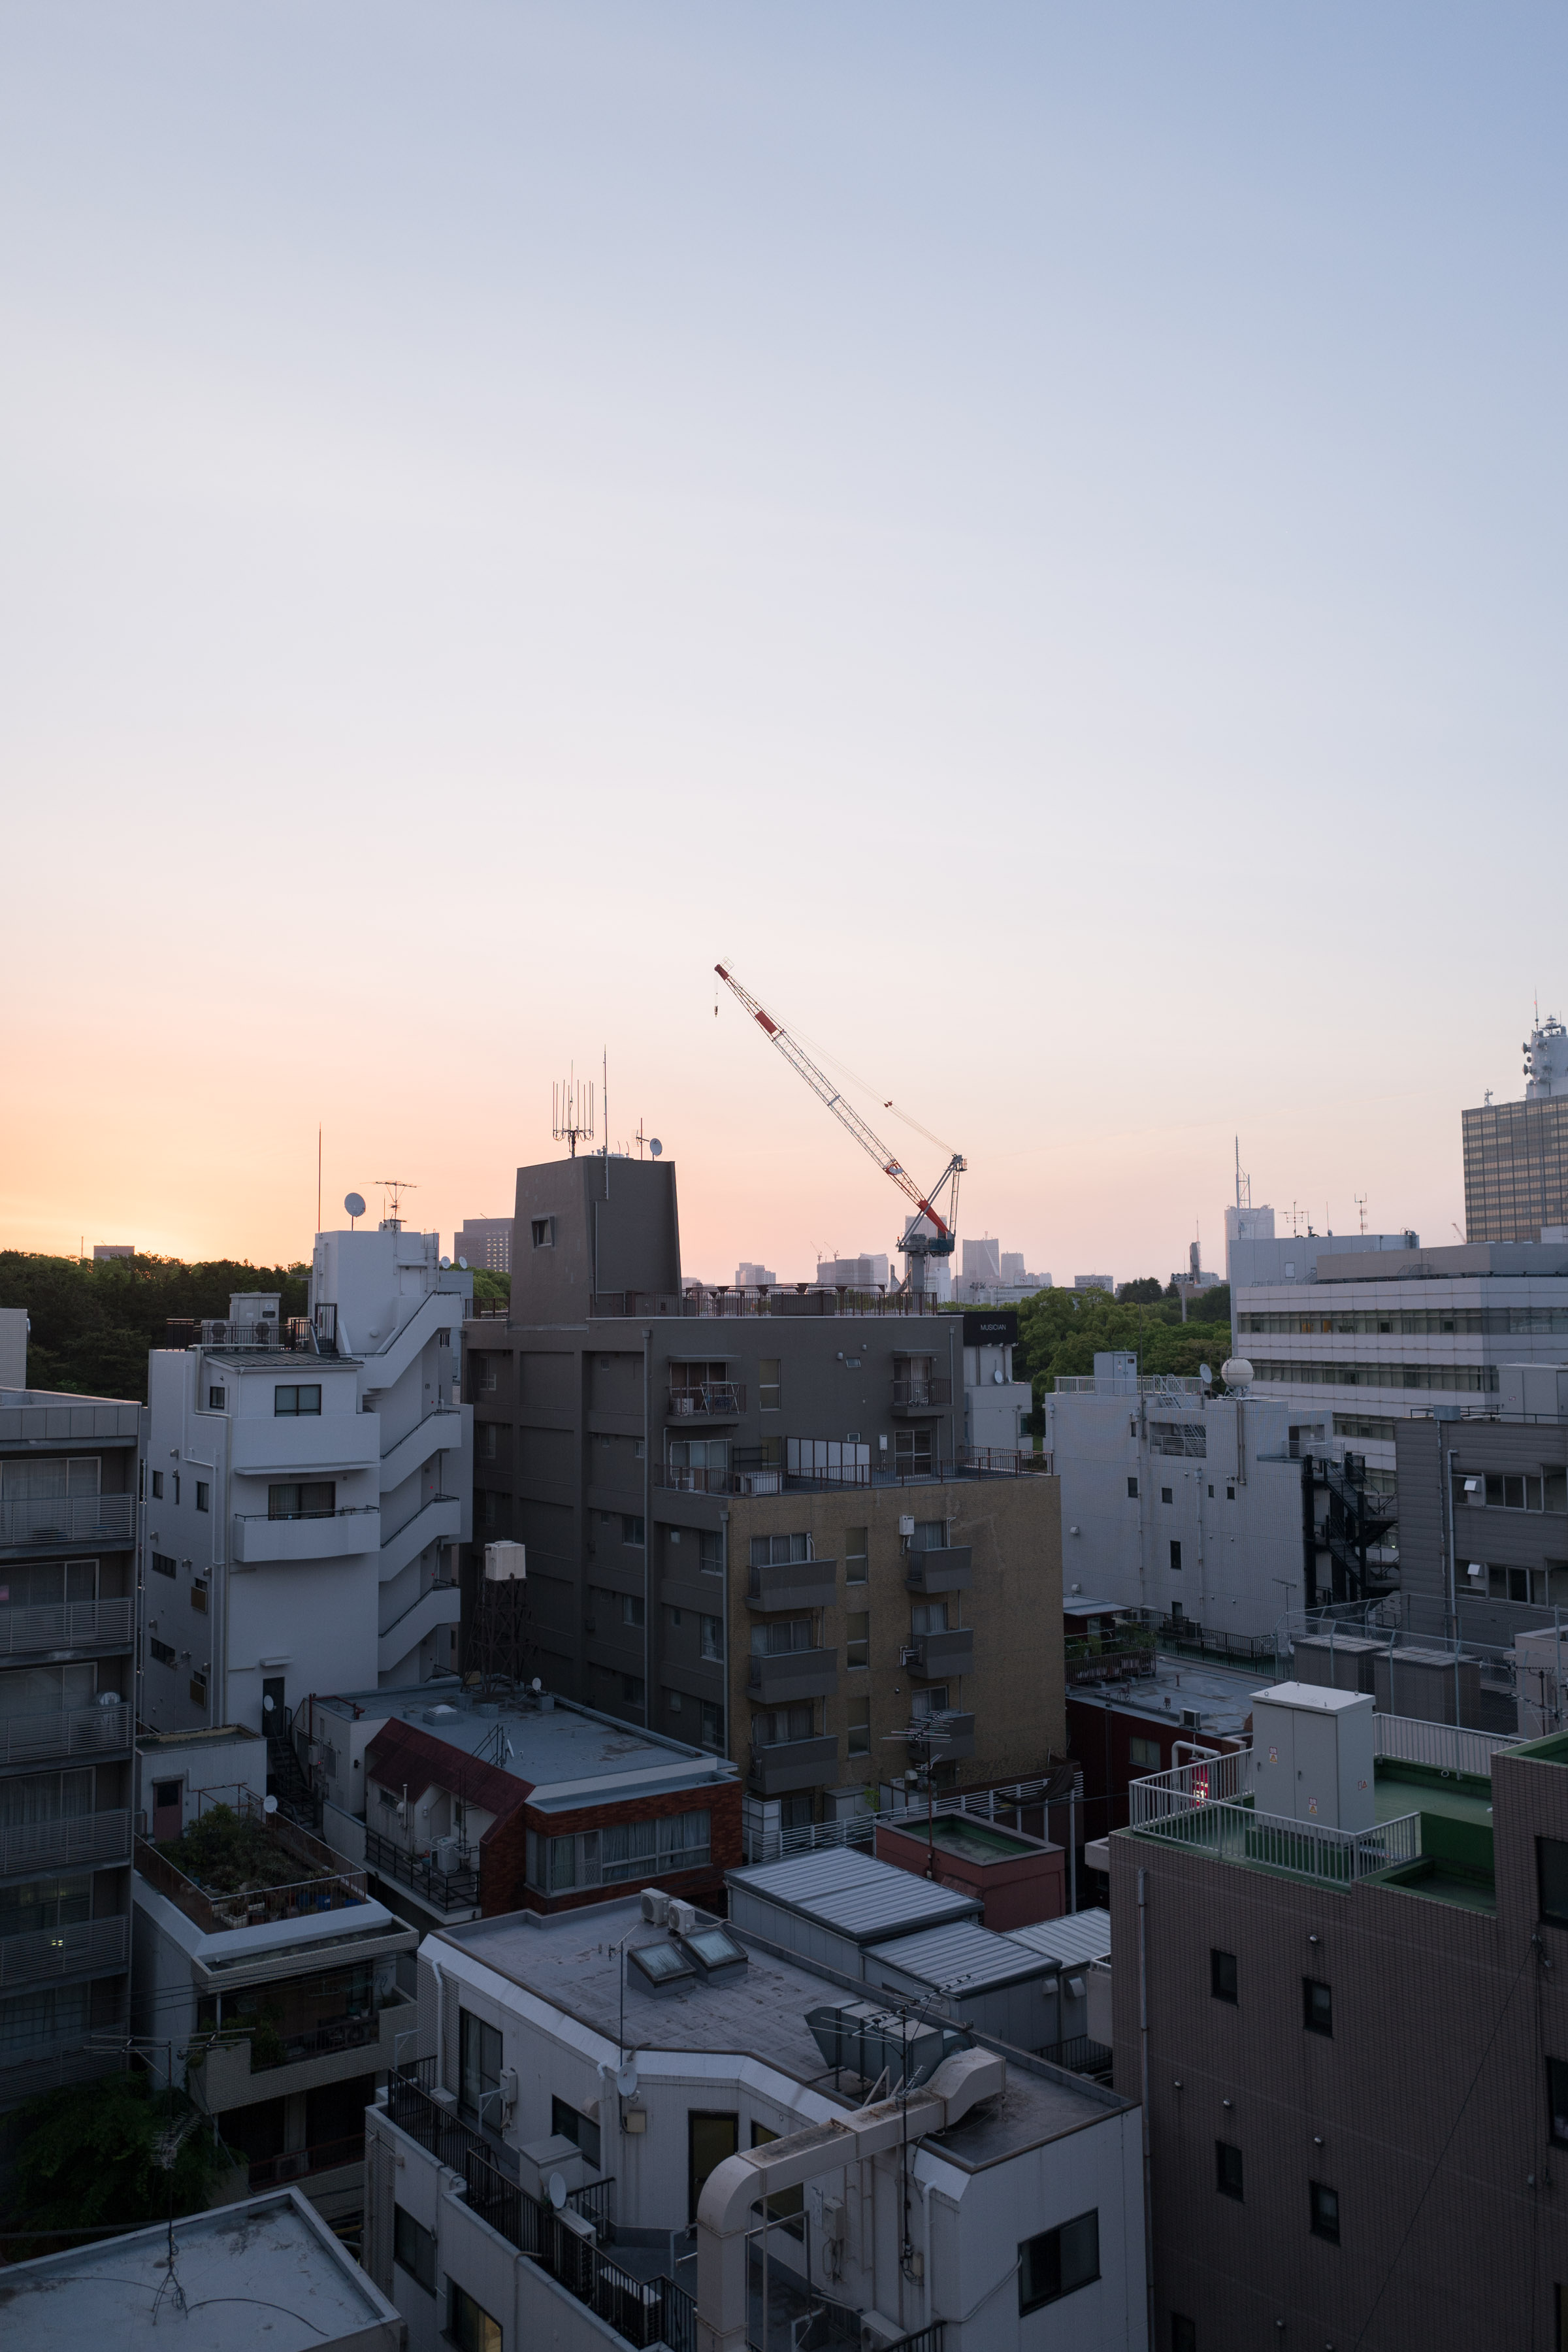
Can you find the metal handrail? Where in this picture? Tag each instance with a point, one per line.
(68, 1520)
(1187, 1787)
(1442, 1747)
(929, 1388)
(447, 1890)
(76, 1731)
(71, 1842)
(688, 1399)
(64, 1625)
(1237, 1833)
(40, 1955)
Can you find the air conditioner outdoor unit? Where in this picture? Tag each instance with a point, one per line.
(906, 1526)
(656, 1906)
(683, 1917)
(506, 2084)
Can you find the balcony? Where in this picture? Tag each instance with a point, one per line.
(917, 1393)
(74, 1731)
(443, 1890)
(707, 1400)
(790, 1764)
(238, 2067)
(260, 1540)
(791, 1674)
(946, 1569)
(78, 1841)
(957, 1740)
(798, 1584)
(64, 1625)
(935, 1656)
(43, 1956)
(108, 1520)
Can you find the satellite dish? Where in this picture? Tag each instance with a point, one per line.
(536, 1684)
(555, 2188)
(268, 1704)
(1235, 1371)
(655, 1147)
(1207, 1375)
(627, 2081)
(463, 1264)
(354, 1203)
(269, 1804)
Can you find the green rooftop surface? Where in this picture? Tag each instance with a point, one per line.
(970, 1840)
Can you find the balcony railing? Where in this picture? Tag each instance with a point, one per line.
(41, 1956)
(107, 1519)
(299, 2163)
(74, 1842)
(75, 1731)
(921, 1393)
(443, 1890)
(64, 1625)
(790, 1764)
(642, 2311)
(792, 1584)
(706, 1400)
(776, 1678)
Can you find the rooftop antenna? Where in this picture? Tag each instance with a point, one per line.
(354, 1203)
(1360, 1199)
(572, 1111)
(394, 1187)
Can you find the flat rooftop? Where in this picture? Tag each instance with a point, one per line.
(571, 1962)
(266, 2275)
(555, 1750)
(1223, 1695)
(854, 1896)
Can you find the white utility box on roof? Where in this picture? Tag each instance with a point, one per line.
(1312, 1755)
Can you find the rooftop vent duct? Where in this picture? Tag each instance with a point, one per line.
(871, 2043)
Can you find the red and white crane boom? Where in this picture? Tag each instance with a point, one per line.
(941, 1240)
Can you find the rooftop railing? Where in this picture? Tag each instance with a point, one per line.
(1440, 1747)
(326, 1883)
(1236, 1832)
(443, 1890)
(74, 1519)
(1207, 1781)
(722, 1301)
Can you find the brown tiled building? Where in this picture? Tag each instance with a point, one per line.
(1354, 2051)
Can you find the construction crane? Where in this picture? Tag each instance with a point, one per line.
(918, 1243)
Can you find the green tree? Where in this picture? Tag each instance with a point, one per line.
(1142, 1293)
(92, 1324)
(491, 1289)
(92, 2155)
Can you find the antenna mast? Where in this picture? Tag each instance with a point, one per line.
(394, 1187)
(571, 1112)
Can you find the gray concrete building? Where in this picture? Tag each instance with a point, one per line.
(1351, 2042)
(69, 1477)
(751, 1520)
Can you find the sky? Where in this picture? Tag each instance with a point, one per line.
(1034, 532)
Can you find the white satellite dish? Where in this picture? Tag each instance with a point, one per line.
(555, 2188)
(269, 1804)
(536, 1684)
(627, 2081)
(463, 1264)
(1206, 1374)
(1235, 1371)
(446, 1265)
(655, 1147)
(354, 1203)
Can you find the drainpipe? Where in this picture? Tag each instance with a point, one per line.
(1453, 1595)
(724, 1624)
(1143, 2071)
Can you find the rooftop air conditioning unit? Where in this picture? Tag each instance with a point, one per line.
(656, 1906)
(683, 1917)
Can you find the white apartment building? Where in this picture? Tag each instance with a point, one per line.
(307, 1489)
(1179, 1501)
(996, 1407)
(609, 2097)
(1429, 1329)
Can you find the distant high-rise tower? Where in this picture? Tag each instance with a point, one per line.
(1516, 1153)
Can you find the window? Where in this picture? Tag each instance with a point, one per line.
(927, 1617)
(859, 1717)
(581, 2130)
(1325, 2211)
(486, 1375)
(162, 1651)
(858, 1639)
(782, 1637)
(1132, 1490)
(776, 1551)
(1223, 1975)
(490, 1440)
(1184, 2333)
(1166, 1494)
(632, 1690)
(162, 1564)
(157, 1486)
(199, 1688)
(711, 1552)
(1143, 1755)
(298, 1399)
(632, 1530)
(1230, 1494)
(1228, 2169)
(315, 1498)
(1176, 1556)
(414, 2248)
(855, 1551)
(774, 1727)
(711, 1734)
(468, 2323)
(932, 1700)
(1059, 2262)
(632, 1612)
(1551, 1878)
(1317, 2005)
(176, 1485)
(215, 1400)
(768, 1384)
(1211, 1494)
(199, 1595)
(1557, 2101)
(204, 1496)
(713, 1638)
(543, 1231)
(479, 2065)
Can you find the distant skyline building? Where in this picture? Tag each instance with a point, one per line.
(1094, 1282)
(867, 1272)
(1516, 1153)
(749, 1276)
(485, 1242)
(102, 1250)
